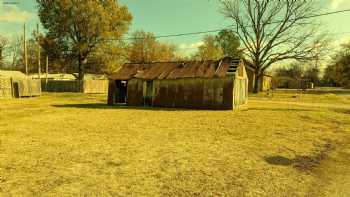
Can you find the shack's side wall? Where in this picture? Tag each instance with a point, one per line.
(200, 93)
(28, 87)
(240, 91)
(5, 88)
(241, 86)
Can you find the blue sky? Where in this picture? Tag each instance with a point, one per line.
(164, 17)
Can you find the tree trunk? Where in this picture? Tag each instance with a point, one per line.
(256, 87)
(80, 68)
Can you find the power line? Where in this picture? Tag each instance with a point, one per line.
(217, 30)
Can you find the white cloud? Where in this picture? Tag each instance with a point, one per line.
(12, 14)
(336, 4)
(187, 49)
(191, 45)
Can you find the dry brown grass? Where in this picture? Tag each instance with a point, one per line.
(75, 145)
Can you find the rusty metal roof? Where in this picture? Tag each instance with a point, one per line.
(175, 70)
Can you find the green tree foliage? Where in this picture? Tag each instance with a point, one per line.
(210, 50)
(109, 56)
(312, 74)
(79, 27)
(229, 43)
(338, 73)
(145, 48)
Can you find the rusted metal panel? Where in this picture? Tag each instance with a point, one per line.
(156, 71)
(174, 70)
(128, 71)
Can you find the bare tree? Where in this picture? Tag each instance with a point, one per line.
(16, 50)
(3, 47)
(274, 30)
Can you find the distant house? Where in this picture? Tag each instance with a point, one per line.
(66, 76)
(56, 76)
(16, 84)
(265, 82)
(221, 84)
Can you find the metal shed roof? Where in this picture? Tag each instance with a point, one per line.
(11, 74)
(176, 70)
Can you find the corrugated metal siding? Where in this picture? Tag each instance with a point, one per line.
(28, 87)
(5, 88)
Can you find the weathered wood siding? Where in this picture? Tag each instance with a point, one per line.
(240, 91)
(135, 92)
(200, 93)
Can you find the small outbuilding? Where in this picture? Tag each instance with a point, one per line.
(16, 84)
(265, 82)
(221, 84)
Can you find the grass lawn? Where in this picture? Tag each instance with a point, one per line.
(75, 145)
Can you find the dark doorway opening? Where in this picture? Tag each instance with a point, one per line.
(15, 90)
(122, 91)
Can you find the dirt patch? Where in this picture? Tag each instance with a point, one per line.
(305, 163)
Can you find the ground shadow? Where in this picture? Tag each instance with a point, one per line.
(305, 163)
(123, 106)
(279, 109)
(279, 160)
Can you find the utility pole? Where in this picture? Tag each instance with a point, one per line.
(25, 50)
(47, 68)
(39, 50)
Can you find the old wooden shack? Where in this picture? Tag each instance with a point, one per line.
(221, 84)
(16, 84)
